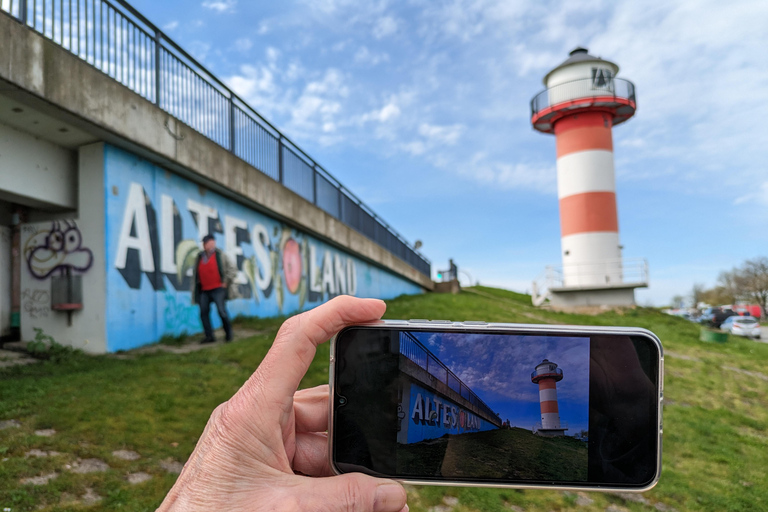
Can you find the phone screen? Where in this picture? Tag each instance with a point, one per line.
(515, 408)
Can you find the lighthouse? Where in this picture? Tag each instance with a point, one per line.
(582, 102)
(547, 375)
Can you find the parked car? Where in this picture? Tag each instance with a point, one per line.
(713, 317)
(742, 326)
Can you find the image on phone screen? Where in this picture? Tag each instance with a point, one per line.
(493, 406)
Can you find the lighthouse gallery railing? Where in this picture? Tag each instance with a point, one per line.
(582, 88)
(116, 39)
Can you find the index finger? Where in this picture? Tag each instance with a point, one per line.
(295, 345)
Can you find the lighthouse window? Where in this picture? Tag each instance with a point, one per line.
(601, 78)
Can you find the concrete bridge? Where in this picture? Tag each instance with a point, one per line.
(118, 152)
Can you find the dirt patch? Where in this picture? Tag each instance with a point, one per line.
(90, 497)
(39, 480)
(10, 358)
(138, 478)
(46, 432)
(89, 466)
(126, 455)
(9, 424)
(757, 375)
(41, 453)
(171, 466)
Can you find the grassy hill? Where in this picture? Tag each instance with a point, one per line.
(505, 453)
(715, 416)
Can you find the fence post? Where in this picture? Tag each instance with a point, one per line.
(158, 70)
(280, 159)
(340, 202)
(23, 11)
(314, 184)
(231, 124)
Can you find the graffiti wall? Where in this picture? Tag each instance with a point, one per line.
(155, 223)
(425, 414)
(51, 249)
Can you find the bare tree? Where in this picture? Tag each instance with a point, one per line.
(698, 294)
(729, 285)
(751, 280)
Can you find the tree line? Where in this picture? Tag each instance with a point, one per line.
(747, 282)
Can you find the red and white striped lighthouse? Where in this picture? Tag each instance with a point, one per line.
(547, 375)
(582, 103)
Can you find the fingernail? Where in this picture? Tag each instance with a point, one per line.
(389, 498)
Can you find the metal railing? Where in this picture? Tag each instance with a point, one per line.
(556, 371)
(537, 427)
(582, 88)
(604, 273)
(414, 350)
(116, 39)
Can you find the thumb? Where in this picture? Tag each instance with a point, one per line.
(354, 492)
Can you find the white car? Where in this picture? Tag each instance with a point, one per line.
(742, 326)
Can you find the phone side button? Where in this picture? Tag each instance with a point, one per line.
(419, 320)
(474, 322)
(441, 322)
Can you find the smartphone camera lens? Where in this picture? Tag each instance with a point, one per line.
(342, 401)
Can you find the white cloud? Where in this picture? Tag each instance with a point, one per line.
(220, 5)
(757, 195)
(367, 57)
(447, 134)
(170, 26)
(243, 44)
(384, 27)
(253, 82)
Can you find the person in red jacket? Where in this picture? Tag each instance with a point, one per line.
(213, 281)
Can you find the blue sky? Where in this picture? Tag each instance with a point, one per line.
(422, 109)
(498, 369)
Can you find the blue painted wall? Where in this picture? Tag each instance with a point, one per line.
(155, 221)
(431, 415)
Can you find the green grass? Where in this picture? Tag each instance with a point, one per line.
(715, 418)
(505, 453)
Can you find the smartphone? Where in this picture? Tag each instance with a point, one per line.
(497, 405)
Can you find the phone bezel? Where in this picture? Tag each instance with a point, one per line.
(507, 328)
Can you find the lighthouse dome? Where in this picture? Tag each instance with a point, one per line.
(580, 65)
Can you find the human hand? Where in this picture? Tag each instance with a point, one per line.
(255, 443)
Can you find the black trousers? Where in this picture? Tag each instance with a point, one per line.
(217, 296)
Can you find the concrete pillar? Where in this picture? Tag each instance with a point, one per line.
(76, 245)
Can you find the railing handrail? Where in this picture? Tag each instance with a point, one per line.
(485, 407)
(610, 89)
(137, 21)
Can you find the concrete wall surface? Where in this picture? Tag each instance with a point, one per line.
(36, 172)
(155, 221)
(591, 298)
(5, 280)
(46, 76)
(73, 245)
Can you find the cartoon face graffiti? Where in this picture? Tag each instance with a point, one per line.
(58, 248)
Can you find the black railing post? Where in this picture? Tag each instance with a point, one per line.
(314, 186)
(23, 11)
(280, 159)
(231, 124)
(340, 200)
(158, 70)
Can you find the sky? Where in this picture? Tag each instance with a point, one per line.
(498, 369)
(421, 108)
